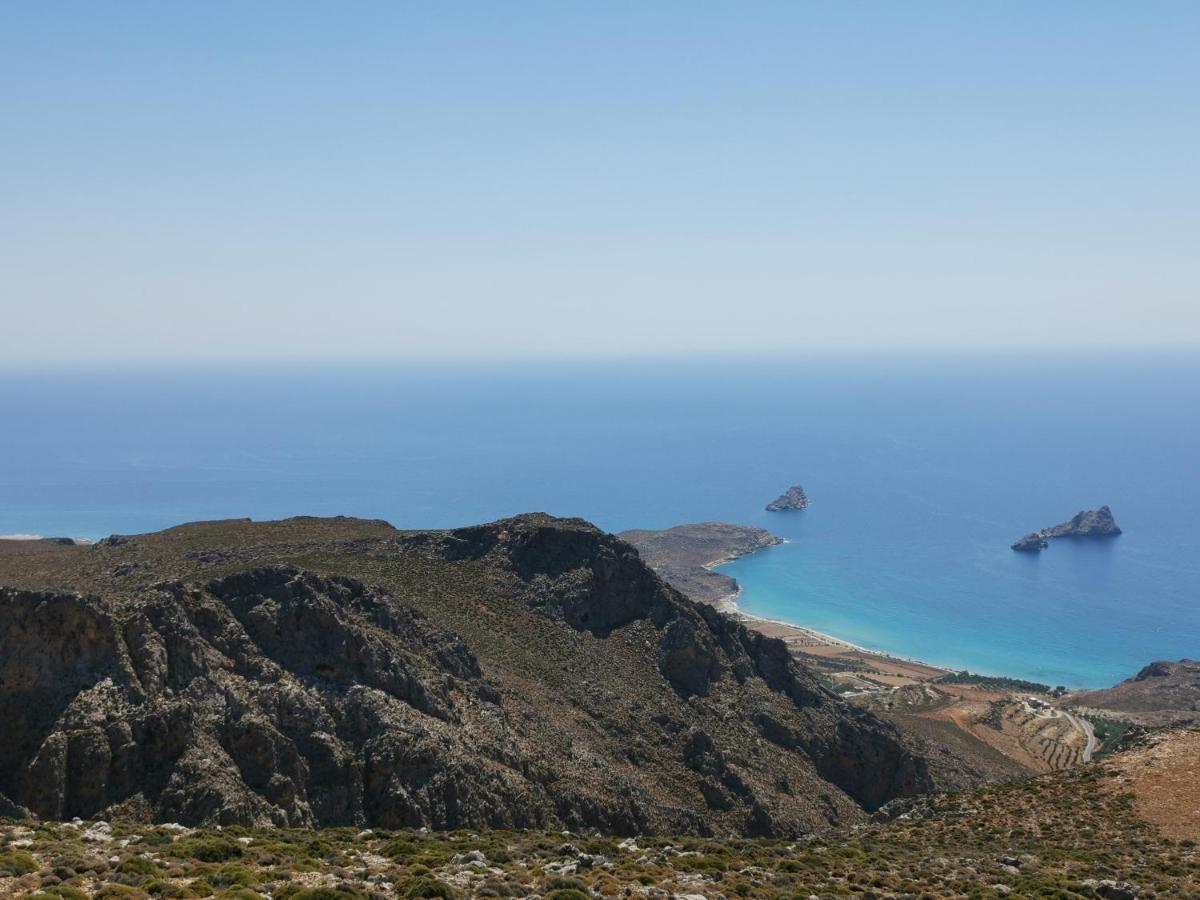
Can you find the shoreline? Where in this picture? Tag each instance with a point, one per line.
(802, 639)
(728, 604)
(809, 641)
(842, 655)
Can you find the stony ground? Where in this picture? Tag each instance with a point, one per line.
(1079, 834)
(1163, 775)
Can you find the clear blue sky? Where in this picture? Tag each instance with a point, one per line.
(275, 180)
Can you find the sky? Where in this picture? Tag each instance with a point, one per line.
(301, 181)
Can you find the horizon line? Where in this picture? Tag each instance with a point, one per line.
(758, 357)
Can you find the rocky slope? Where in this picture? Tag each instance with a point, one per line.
(1161, 693)
(683, 555)
(1088, 523)
(793, 498)
(1121, 829)
(533, 672)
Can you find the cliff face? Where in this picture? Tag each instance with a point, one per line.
(272, 696)
(532, 672)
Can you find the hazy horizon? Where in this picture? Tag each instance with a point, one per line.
(224, 183)
(827, 360)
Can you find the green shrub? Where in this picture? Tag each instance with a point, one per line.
(567, 894)
(119, 892)
(65, 892)
(318, 849)
(159, 888)
(208, 849)
(711, 864)
(233, 875)
(138, 865)
(426, 887)
(17, 862)
(202, 888)
(566, 884)
(156, 840)
(410, 850)
(295, 892)
(500, 889)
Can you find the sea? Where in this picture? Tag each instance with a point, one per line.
(922, 470)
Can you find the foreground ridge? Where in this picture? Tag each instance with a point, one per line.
(1094, 833)
(529, 673)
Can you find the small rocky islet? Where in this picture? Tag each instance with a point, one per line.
(1087, 523)
(793, 498)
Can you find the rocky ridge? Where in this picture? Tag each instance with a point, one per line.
(533, 672)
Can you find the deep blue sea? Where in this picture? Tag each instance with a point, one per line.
(921, 473)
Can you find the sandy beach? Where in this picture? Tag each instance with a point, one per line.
(840, 658)
(837, 653)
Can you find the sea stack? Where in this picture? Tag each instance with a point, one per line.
(1088, 523)
(793, 498)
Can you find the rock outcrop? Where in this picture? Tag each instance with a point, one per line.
(532, 672)
(1088, 523)
(793, 498)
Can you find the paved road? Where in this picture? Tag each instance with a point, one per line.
(1086, 726)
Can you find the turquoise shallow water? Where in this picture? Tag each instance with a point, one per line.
(921, 475)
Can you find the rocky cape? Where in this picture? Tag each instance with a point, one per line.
(793, 498)
(1088, 523)
(685, 555)
(533, 672)
(1162, 693)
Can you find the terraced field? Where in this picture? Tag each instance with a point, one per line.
(1035, 738)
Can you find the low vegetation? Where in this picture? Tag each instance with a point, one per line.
(1000, 683)
(1109, 733)
(1067, 835)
